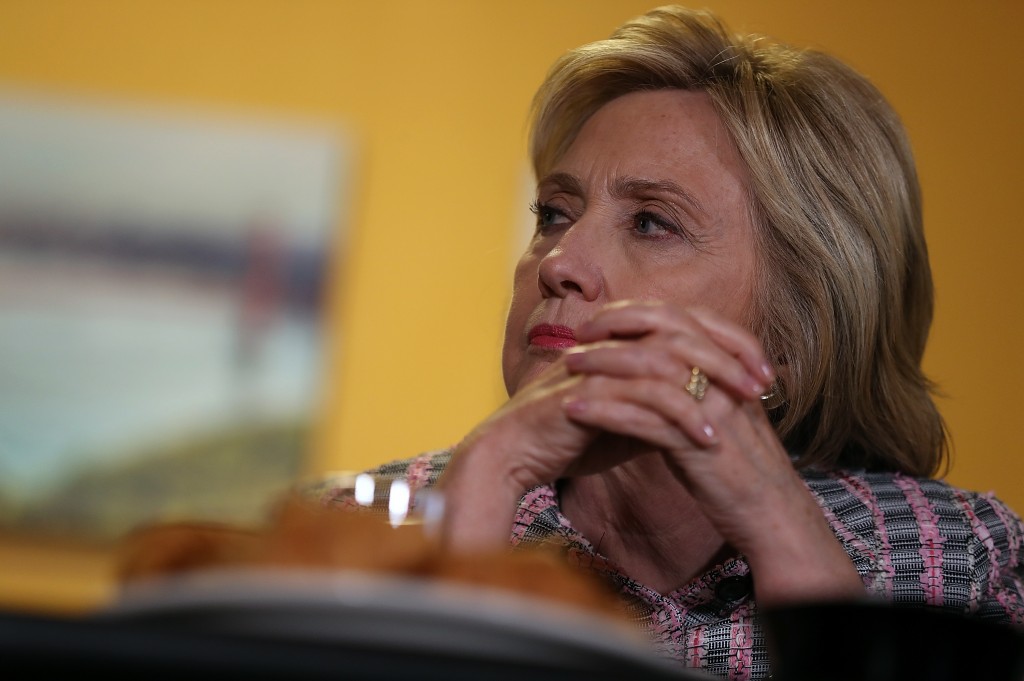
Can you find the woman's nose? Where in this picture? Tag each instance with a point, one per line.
(572, 266)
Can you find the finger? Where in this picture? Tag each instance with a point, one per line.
(670, 404)
(669, 357)
(640, 319)
(736, 340)
(623, 418)
(624, 319)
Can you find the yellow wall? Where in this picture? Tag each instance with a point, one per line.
(435, 94)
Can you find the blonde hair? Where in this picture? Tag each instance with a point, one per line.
(844, 291)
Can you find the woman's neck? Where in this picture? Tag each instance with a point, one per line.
(640, 516)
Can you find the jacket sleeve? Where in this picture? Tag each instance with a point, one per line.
(337, 489)
(998, 558)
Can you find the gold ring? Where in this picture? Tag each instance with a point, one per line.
(697, 384)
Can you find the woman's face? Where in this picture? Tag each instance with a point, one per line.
(649, 203)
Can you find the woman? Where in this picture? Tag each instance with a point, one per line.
(713, 351)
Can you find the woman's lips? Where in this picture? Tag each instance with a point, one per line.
(552, 336)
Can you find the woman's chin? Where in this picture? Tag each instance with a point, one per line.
(530, 368)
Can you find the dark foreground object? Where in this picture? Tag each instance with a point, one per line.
(322, 626)
(878, 642)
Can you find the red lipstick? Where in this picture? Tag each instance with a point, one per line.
(552, 336)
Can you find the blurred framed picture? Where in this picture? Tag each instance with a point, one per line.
(162, 331)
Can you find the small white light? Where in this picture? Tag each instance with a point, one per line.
(430, 508)
(364, 489)
(398, 502)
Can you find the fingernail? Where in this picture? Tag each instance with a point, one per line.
(756, 388)
(710, 432)
(574, 405)
(768, 372)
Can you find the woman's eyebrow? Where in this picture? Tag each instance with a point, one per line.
(629, 187)
(626, 188)
(565, 182)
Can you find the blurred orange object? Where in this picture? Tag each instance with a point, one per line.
(303, 534)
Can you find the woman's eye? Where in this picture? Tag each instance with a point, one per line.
(547, 216)
(649, 224)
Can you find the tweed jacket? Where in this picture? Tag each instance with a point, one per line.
(912, 540)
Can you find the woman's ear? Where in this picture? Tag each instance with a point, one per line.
(775, 396)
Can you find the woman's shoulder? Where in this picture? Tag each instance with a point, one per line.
(926, 540)
(421, 469)
(892, 494)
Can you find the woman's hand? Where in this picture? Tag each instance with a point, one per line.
(636, 359)
(530, 440)
(540, 434)
(651, 349)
